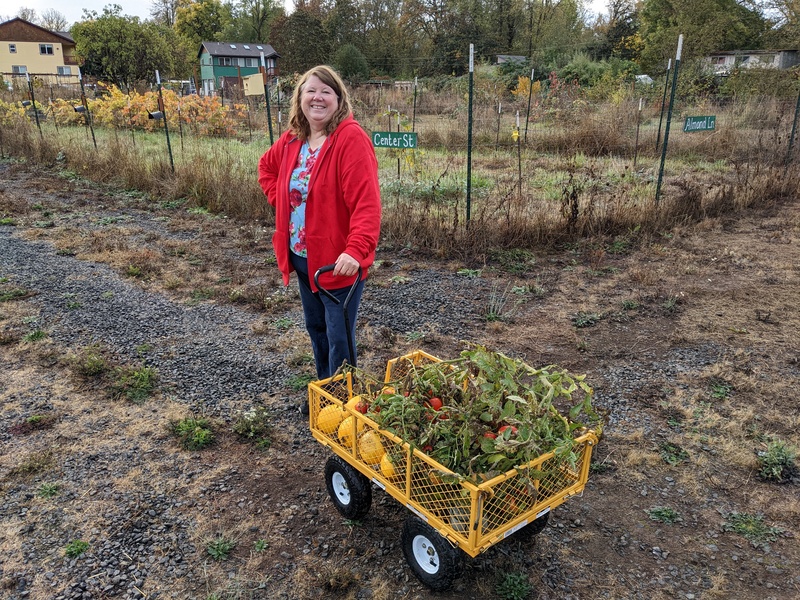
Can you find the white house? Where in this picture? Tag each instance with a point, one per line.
(724, 62)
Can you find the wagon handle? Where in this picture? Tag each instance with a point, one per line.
(326, 269)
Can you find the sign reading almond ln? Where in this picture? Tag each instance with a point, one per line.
(706, 123)
(390, 139)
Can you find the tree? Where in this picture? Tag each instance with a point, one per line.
(251, 20)
(784, 17)
(301, 40)
(202, 20)
(351, 63)
(707, 26)
(53, 20)
(28, 14)
(121, 50)
(164, 11)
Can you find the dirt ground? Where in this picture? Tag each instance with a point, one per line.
(690, 341)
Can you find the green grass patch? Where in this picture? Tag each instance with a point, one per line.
(254, 426)
(13, 294)
(75, 548)
(299, 382)
(220, 548)
(777, 462)
(672, 454)
(193, 433)
(752, 528)
(663, 514)
(134, 383)
(514, 586)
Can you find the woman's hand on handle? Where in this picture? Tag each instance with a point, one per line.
(346, 266)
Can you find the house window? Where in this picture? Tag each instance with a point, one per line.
(250, 62)
(224, 61)
(45, 48)
(241, 62)
(19, 69)
(64, 70)
(12, 48)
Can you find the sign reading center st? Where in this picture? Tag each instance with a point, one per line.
(708, 123)
(391, 139)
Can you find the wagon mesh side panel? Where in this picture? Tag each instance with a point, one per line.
(531, 489)
(441, 494)
(325, 394)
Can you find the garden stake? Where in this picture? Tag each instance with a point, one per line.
(669, 116)
(469, 130)
(663, 103)
(414, 109)
(180, 125)
(497, 133)
(33, 103)
(266, 96)
(519, 156)
(164, 117)
(638, 124)
(528, 113)
(398, 155)
(794, 130)
(86, 114)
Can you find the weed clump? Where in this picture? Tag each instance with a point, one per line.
(192, 433)
(777, 462)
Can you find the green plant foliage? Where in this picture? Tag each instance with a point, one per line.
(752, 528)
(663, 514)
(514, 586)
(75, 548)
(13, 294)
(254, 425)
(584, 319)
(89, 362)
(47, 490)
(35, 335)
(220, 548)
(193, 433)
(299, 382)
(777, 462)
(351, 63)
(672, 454)
(134, 383)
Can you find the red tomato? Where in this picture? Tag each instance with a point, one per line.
(436, 403)
(362, 407)
(490, 435)
(427, 448)
(504, 427)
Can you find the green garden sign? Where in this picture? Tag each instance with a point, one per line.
(391, 139)
(707, 123)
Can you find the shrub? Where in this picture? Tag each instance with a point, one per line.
(193, 434)
(777, 462)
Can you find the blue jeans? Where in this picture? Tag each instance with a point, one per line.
(325, 321)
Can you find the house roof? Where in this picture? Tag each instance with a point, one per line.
(238, 49)
(751, 52)
(20, 30)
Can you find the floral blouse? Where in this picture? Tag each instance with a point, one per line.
(298, 192)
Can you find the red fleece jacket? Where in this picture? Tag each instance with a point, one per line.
(343, 207)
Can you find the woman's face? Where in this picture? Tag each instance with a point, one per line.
(318, 102)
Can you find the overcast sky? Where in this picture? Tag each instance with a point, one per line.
(73, 11)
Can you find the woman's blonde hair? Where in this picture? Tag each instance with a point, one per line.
(297, 120)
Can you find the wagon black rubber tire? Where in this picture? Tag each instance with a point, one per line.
(433, 559)
(348, 488)
(531, 530)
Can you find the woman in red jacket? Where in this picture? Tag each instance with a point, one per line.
(322, 178)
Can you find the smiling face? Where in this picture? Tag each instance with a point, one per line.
(318, 102)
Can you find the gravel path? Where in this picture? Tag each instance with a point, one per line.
(148, 509)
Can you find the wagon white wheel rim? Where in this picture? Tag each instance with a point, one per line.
(340, 488)
(425, 554)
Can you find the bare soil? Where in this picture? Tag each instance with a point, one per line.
(689, 339)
